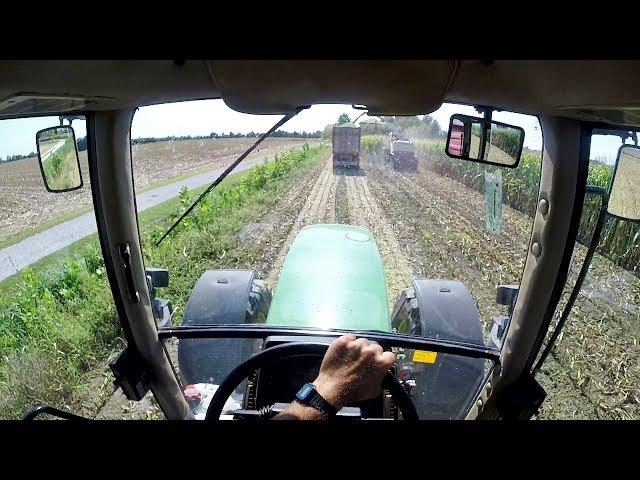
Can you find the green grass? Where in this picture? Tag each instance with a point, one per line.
(57, 319)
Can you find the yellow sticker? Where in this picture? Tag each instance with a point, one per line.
(423, 356)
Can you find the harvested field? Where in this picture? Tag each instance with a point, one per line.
(25, 203)
(627, 204)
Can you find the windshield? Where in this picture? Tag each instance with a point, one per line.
(337, 221)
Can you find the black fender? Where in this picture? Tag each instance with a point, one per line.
(443, 310)
(221, 297)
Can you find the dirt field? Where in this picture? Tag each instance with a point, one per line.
(431, 226)
(26, 204)
(628, 203)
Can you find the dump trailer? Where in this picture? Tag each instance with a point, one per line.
(346, 146)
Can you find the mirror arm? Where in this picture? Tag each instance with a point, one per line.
(487, 115)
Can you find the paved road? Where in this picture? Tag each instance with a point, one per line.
(53, 149)
(22, 254)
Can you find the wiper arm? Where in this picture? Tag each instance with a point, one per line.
(229, 169)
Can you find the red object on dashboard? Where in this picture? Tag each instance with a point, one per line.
(191, 393)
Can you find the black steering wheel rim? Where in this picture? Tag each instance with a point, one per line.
(278, 352)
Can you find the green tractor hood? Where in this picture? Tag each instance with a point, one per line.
(332, 278)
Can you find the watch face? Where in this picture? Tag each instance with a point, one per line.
(305, 391)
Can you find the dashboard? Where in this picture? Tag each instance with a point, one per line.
(280, 381)
(441, 386)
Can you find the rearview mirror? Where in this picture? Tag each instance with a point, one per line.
(624, 199)
(484, 141)
(59, 161)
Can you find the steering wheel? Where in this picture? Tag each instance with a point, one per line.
(286, 350)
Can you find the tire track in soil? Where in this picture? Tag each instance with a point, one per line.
(511, 241)
(364, 211)
(341, 206)
(429, 241)
(516, 226)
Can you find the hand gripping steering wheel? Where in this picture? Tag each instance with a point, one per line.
(280, 352)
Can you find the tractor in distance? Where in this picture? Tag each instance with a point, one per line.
(401, 154)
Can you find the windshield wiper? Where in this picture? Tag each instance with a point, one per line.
(229, 169)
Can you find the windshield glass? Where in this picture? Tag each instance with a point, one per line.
(339, 220)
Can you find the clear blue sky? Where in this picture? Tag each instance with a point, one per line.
(206, 116)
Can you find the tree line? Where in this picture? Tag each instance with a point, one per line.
(410, 126)
(82, 142)
(252, 134)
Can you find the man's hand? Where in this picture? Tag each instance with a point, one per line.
(351, 371)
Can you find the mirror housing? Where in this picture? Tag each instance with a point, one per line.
(58, 159)
(484, 140)
(624, 197)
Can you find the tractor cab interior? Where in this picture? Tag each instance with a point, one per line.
(444, 217)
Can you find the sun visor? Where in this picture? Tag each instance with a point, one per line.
(385, 87)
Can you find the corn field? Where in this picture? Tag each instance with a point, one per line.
(372, 143)
(620, 240)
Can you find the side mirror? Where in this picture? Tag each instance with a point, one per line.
(624, 198)
(485, 141)
(59, 160)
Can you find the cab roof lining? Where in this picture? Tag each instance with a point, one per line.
(595, 90)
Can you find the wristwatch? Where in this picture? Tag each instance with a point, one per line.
(308, 395)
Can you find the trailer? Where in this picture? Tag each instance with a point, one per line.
(345, 141)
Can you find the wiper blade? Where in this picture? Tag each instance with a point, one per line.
(229, 169)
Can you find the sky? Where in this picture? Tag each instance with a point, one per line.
(206, 116)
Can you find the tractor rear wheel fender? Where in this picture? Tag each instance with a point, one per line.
(443, 310)
(221, 297)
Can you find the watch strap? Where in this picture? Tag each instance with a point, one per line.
(308, 395)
